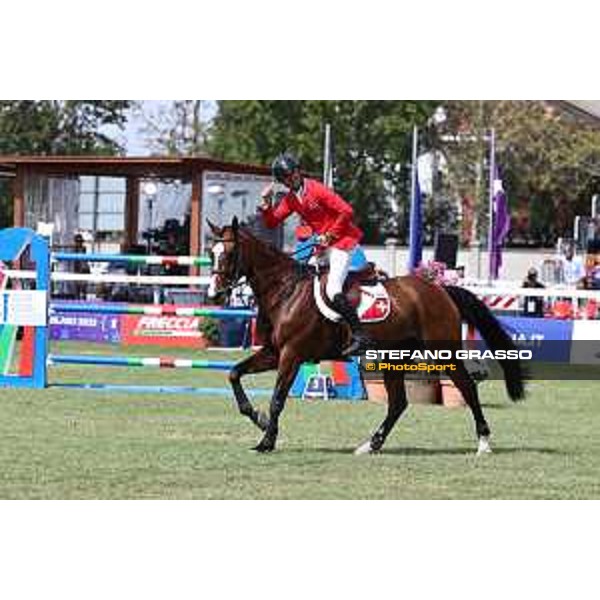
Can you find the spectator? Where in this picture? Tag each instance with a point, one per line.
(592, 280)
(534, 305)
(81, 267)
(572, 267)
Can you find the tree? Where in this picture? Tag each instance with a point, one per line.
(372, 147)
(177, 128)
(60, 127)
(550, 161)
(57, 127)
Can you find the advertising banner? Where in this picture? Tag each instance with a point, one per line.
(163, 330)
(23, 307)
(585, 348)
(534, 334)
(86, 328)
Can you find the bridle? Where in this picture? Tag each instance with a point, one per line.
(233, 280)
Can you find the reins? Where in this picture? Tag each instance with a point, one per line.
(234, 280)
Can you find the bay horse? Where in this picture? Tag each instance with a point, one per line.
(293, 331)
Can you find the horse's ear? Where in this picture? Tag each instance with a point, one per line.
(216, 230)
(235, 224)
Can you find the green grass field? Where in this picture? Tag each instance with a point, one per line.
(62, 444)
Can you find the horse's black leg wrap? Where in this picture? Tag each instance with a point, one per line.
(244, 405)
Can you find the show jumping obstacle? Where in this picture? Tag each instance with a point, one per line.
(16, 244)
(162, 362)
(26, 308)
(164, 261)
(170, 310)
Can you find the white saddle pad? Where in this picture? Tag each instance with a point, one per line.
(374, 303)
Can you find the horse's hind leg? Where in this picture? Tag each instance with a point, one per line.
(463, 381)
(397, 403)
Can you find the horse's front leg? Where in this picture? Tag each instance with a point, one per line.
(288, 369)
(264, 359)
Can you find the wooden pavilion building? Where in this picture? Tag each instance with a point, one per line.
(191, 170)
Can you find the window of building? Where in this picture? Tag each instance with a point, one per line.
(102, 207)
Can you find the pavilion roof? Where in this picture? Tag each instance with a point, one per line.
(155, 167)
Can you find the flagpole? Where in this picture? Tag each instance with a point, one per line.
(492, 177)
(414, 245)
(327, 159)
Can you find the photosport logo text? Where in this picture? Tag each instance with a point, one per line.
(432, 361)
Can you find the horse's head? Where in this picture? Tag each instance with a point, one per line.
(225, 252)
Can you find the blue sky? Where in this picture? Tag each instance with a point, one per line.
(134, 142)
(132, 137)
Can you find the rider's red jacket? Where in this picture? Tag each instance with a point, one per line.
(322, 209)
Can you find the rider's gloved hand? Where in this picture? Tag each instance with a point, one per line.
(267, 196)
(325, 239)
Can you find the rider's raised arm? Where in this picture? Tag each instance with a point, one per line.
(272, 217)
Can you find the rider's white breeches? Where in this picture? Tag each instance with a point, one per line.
(339, 264)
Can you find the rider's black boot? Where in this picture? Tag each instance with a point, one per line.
(360, 340)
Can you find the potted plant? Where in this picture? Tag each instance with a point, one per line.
(209, 328)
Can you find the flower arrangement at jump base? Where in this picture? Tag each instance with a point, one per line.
(435, 272)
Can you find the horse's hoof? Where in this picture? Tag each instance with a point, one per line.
(484, 446)
(263, 448)
(365, 448)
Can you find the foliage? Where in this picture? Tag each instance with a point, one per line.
(550, 161)
(432, 272)
(60, 127)
(178, 128)
(210, 330)
(372, 148)
(57, 127)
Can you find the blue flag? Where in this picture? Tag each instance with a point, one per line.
(415, 249)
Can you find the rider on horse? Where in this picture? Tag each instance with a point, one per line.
(331, 218)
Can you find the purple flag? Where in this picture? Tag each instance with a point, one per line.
(501, 224)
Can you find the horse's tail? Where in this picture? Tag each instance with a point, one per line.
(476, 313)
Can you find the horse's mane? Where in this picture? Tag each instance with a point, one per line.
(279, 271)
(276, 257)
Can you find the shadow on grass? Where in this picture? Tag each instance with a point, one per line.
(500, 405)
(420, 451)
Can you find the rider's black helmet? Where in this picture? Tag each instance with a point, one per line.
(285, 164)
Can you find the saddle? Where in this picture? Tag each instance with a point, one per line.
(364, 289)
(369, 275)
